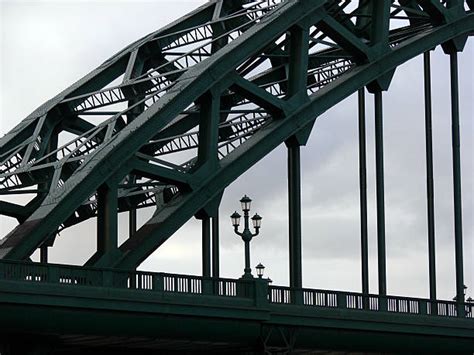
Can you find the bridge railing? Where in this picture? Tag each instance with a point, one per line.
(136, 280)
(371, 302)
(153, 281)
(50, 273)
(256, 290)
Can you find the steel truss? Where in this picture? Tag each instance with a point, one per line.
(174, 118)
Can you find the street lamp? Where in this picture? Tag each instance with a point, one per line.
(256, 221)
(235, 219)
(245, 203)
(260, 268)
(246, 234)
(455, 298)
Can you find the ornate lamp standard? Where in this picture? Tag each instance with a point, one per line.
(246, 234)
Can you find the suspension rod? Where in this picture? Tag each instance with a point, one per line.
(294, 204)
(363, 194)
(206, 247)
(132, 222)
(457, 183)
(429, 177)
(382, 269)
(215, 245)
(44, 254)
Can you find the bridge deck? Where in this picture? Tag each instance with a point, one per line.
(104, 307)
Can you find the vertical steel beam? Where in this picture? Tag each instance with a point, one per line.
(382, 269)
(44, 254)
(207, 157)
(297, 80)
(206, 247)
(457, 183)
(106, 219)
(132, 222)
(380, 22)
(215, 245)
(209, 129)
(298, 65)
(430, 180)
(363, 194)
(52, 145)
(294, 204)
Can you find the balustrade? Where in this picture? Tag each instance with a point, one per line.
(258, 290)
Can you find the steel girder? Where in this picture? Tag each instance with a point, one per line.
(223, 87)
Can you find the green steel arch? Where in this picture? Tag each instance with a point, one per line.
(174, 118)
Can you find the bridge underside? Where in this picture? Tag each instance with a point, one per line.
(70, 329)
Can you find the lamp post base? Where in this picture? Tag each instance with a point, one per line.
(247, 276)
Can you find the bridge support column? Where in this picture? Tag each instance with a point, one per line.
(209, 217)
(430, 181)
(215, 245)
(363, 198)
(457, 184)
(44, 254)
(382, 269)
(206, 247)
(294, 204)
(297, 92)
(132, 222)
(106, 219)
(210, 104)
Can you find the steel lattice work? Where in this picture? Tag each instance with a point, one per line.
(174, 118)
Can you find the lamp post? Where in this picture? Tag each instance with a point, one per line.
(246, 234)
(455, 298)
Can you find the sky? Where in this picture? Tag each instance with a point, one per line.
(47, 45)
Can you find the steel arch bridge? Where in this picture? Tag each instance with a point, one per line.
(174, 118)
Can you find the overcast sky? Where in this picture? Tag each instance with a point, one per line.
(46, 46)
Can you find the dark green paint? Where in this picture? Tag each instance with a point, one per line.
(380, 191)
(123, 164)
(363, 194)
(62, 300)
(456, 143)
(429, 176)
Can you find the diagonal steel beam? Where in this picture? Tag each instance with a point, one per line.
(158, 229)
(61, 203)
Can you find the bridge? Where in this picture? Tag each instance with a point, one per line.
(126, 311)
(170, 122)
